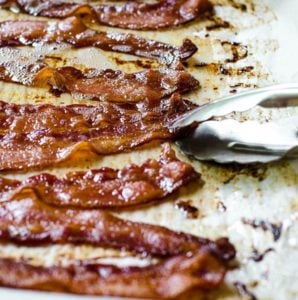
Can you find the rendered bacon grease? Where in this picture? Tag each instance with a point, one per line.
(74, 33)
(36, 136)
(106, 187)
(131, 14)
(104, 85)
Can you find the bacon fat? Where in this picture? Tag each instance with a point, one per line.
(35, 136)
(132, 14)
(105, 187)
(74, 33)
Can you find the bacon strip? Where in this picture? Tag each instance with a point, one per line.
(29, 221)
(168, 279)
(74, 33)
(133, 14)
(105, 187)
(35, 136)
(105, 85)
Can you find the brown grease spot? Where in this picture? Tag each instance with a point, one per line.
(244, 85)
(243, 291)
(220, 68)
(235, 72)
(217, 23)
(186, 207)
(243, 7)
(258, 256)
(240, 6)
(221, 207)
(275, 229)
(257, 171)
(238, 50)
(147, 64)
(254, 284)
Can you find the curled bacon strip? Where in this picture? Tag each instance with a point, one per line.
(168, 279)
(105, 187)
(107, 85)
(74, 33)
(133, 14)
(34, 136)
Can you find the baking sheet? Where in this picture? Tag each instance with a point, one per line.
(267, 37)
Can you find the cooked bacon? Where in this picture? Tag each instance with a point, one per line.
(29, 221)
(170, 278)
(107, 85)
(106, 187)
(74, 33)
(116, 86)
(133, 14)
(137, 15)
(35, 136)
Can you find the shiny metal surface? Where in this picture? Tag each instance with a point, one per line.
(230, 141)
(282, 95)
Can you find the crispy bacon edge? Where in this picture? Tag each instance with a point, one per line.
(106, 188)
(73, 32)
(131, 15)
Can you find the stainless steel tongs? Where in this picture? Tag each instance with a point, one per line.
(227, 140)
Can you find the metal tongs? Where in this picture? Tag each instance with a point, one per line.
(227, 140)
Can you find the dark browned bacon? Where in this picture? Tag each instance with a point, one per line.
(132, 14)
(105, 187)
(74, 33)
(170, 278)
(35, 136)
(105, 85)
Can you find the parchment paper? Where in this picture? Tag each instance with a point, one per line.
(232, 197)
